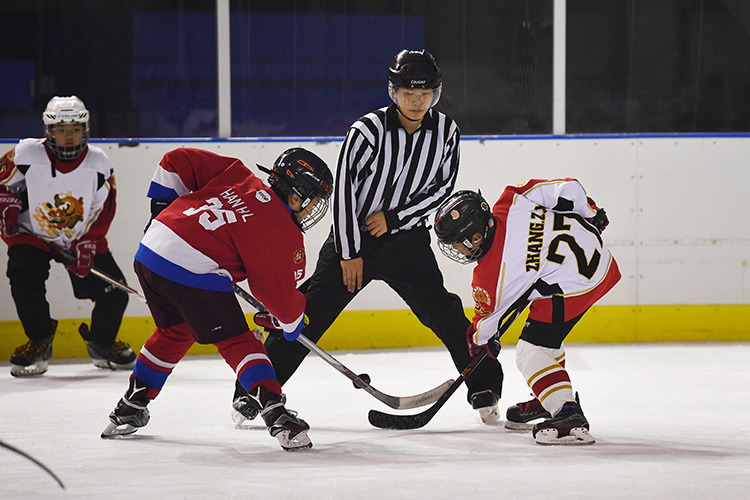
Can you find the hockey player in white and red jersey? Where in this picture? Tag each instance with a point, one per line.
(214, 224)
(540, 243)
(59, 192)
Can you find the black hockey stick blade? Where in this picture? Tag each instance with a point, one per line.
(29, 457)
(395, 402)
(402, 422)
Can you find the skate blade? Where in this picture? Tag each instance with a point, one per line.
(578, 436)
(299, 442)
(109, 365)
(518, 426)
(33, 370)
(114, 430)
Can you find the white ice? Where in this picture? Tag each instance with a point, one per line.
(670, 420)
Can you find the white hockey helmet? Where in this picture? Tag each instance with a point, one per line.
(64, 110)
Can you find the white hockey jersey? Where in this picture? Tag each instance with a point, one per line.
(62, 206)
(543, 246)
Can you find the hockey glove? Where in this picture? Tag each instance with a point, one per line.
(10, 206)
(272, 326)
(600, 220)
(266, 321)
(493, 345)
(84, 251)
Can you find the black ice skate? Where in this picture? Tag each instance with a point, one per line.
(33, 357)
(131, 413)
(115, 356)
(519, 416)
(284, 425)
(568, 426)
(244, 406)
(485, 402)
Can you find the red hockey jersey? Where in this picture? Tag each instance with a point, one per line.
(225, 225)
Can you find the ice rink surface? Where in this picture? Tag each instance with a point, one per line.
(671, 421)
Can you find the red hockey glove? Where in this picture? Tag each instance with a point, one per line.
(272, 326)
(10, 206)
(85, 250)
(266, 321)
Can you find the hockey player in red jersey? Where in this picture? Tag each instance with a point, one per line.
(540, 243)
(215, 224)
(61, 190)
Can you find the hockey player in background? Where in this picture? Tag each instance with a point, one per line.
(213, 224)
(62, 191)
(541, 243)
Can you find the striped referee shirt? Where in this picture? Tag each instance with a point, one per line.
(383, 168)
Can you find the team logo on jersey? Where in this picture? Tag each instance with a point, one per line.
(60, 216)
(299, 256)
(481, 301)
(262, 196)
(481, 296)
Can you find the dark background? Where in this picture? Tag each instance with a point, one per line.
(310, 68)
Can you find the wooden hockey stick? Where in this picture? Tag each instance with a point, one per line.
(395, 402)
(70, 258)
(29, 457)
(388, 421)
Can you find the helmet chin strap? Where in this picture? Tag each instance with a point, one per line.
(398, 108)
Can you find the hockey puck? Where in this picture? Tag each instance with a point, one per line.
(365, 378)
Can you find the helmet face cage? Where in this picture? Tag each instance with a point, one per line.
(462, 216)
(65, 111)
(415, 69)
(301, 172)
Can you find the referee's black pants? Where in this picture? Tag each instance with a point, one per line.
(404, 261)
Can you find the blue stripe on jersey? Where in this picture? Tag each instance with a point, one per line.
(159, 192)
(255, 373)
(152, 378)
(179, 274)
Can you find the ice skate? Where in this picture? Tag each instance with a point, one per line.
(485, 402)
(567, 427)
(520, 416)
(115, 356)
(131, 413)
(33, 357)
(244, 406)
(284, 424)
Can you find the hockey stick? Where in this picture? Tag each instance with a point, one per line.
(29, 457)
(388, 421)
(70, 258)
(395, 402)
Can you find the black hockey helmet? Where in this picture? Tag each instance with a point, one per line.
(459, 218)
(302, 172)
(415, 69)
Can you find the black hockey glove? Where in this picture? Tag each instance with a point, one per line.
(600, 220)
(493, 345)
